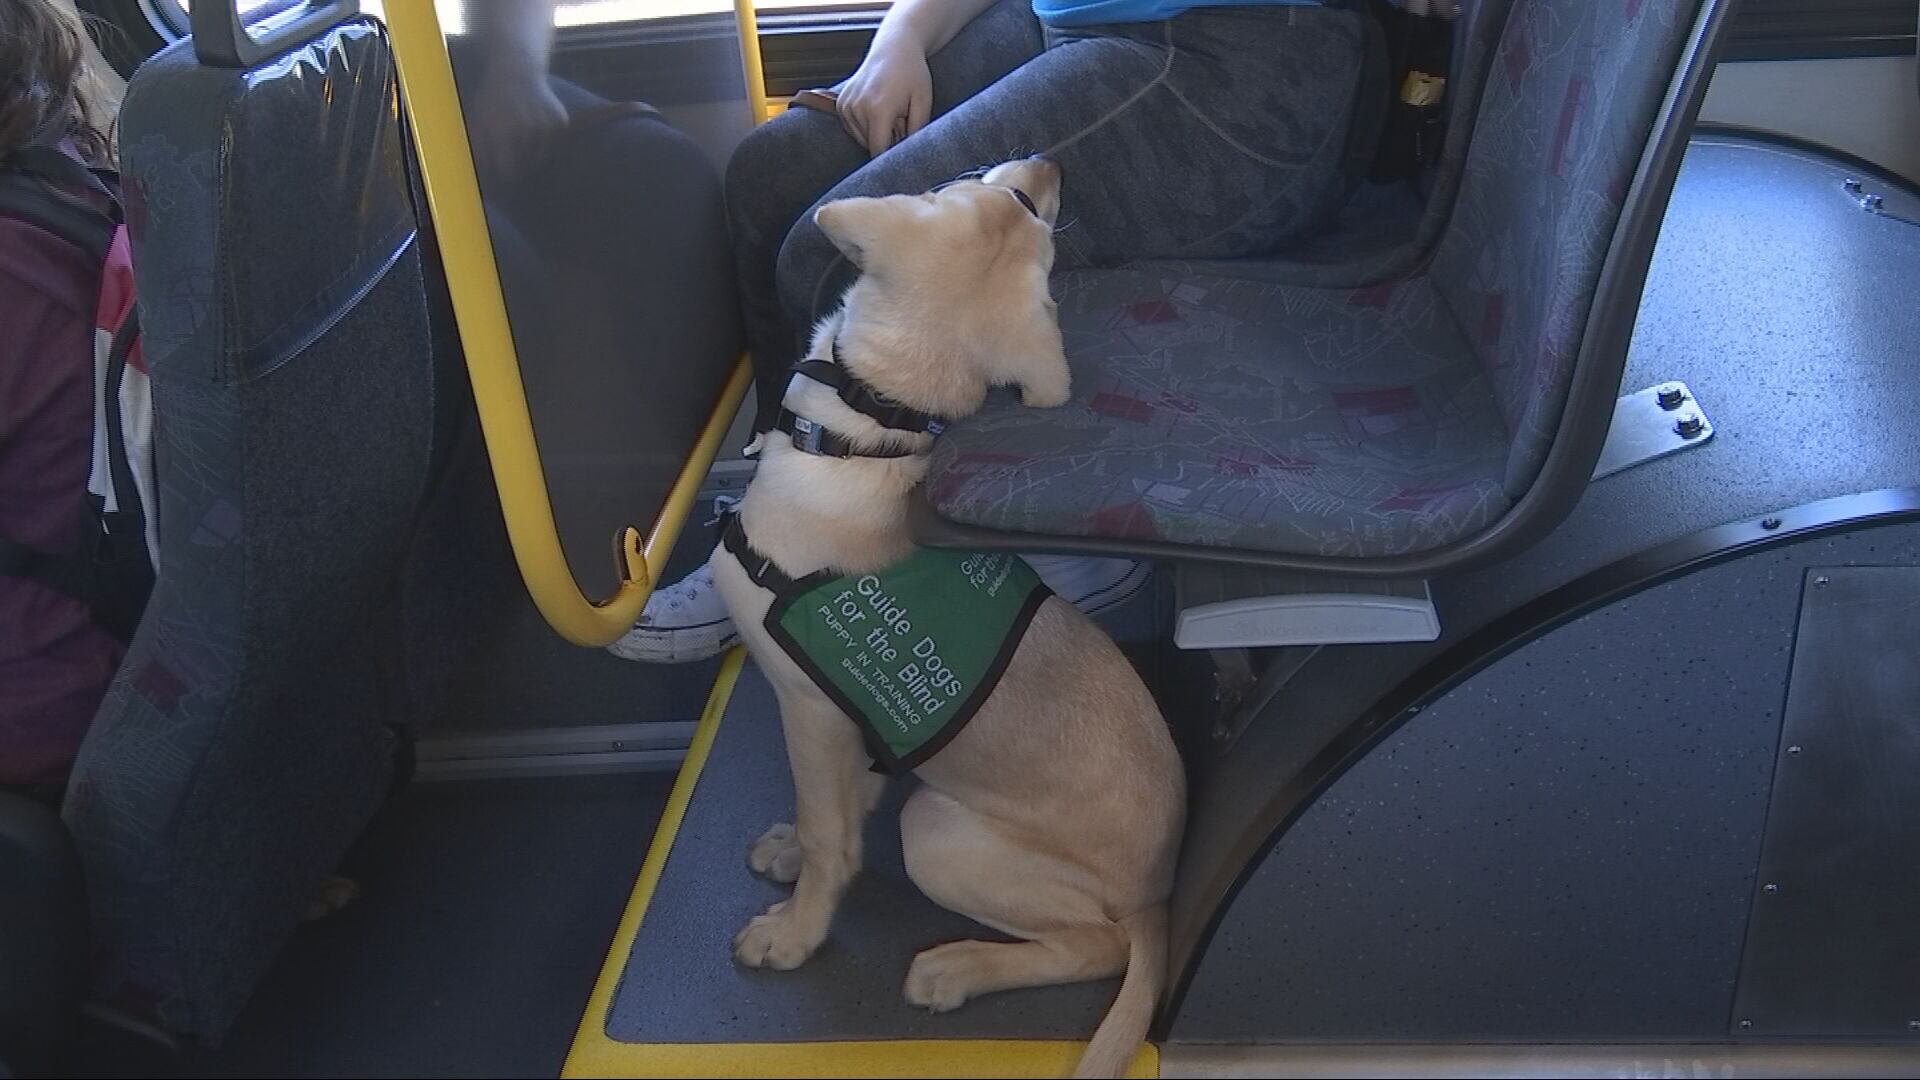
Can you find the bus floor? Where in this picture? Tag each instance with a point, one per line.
(484, 914)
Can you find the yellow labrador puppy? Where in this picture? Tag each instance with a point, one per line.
(1055, 814)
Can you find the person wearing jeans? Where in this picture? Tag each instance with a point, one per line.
(1198, 129)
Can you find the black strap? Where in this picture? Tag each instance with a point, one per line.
(96, 574)
(53, 165)
(128, 566)
(125, 493)
(34, 180)
(130, 517)
(867, 401)
(760, 569)
(811, 438)
(66, 572)
(29, 198)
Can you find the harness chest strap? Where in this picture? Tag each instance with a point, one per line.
(812, 437)
(760, 569)
(867, 401)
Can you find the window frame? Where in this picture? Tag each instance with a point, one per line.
(1822, 29)
(819, 45)
(814, 47)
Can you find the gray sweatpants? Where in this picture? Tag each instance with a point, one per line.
(1216, 134)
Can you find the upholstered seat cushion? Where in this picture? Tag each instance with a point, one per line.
(1231, 413)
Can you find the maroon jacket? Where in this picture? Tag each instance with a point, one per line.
(55, 661)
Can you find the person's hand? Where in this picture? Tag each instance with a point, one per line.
(889, 98)
(513, 114)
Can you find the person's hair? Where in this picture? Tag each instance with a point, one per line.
(43, 65)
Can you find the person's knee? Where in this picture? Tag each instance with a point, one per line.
(758, 154)
(810, 271)
(754, 171)
(781, 167)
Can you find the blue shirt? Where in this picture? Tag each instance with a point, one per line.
(1094, 12)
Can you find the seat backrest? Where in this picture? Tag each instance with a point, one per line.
(1575, 95)
(246, 740)
(1388, 230)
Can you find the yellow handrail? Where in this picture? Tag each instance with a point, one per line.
(749, 26)
(473, 279)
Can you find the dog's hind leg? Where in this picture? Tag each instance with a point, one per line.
(966, 864)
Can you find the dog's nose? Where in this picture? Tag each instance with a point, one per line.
(1046, 163)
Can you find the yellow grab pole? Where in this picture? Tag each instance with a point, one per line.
(744, 14)
(473, 280)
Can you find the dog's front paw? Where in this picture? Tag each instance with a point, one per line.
(943, 977)
(1049, 395)
(776, 855)
(775, 940)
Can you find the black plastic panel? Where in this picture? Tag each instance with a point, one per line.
(1562, 848)
(1833, 948)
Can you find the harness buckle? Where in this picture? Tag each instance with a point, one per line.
(808, 436)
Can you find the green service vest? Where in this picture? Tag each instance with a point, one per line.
(912, 652)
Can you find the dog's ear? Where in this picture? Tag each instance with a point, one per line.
(862, 228)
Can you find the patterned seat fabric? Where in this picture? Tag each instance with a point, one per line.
(1213, 410)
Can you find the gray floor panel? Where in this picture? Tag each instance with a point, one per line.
(682, 986)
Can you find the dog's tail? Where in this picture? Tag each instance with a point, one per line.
(1124, 1028)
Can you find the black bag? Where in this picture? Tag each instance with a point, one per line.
(1419, 51)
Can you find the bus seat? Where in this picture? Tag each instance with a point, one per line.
(1446, 414)
(247, 738)
(1385, 230)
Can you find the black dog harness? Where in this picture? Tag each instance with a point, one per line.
(811, 437)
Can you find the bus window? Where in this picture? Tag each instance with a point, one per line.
(601, 188)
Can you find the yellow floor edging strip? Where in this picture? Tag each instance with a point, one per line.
(592, 1051)
(595, 1055)
(945, 1059)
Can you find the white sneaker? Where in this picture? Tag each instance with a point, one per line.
(1092, 585)
(683, 623)
(687, 621)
